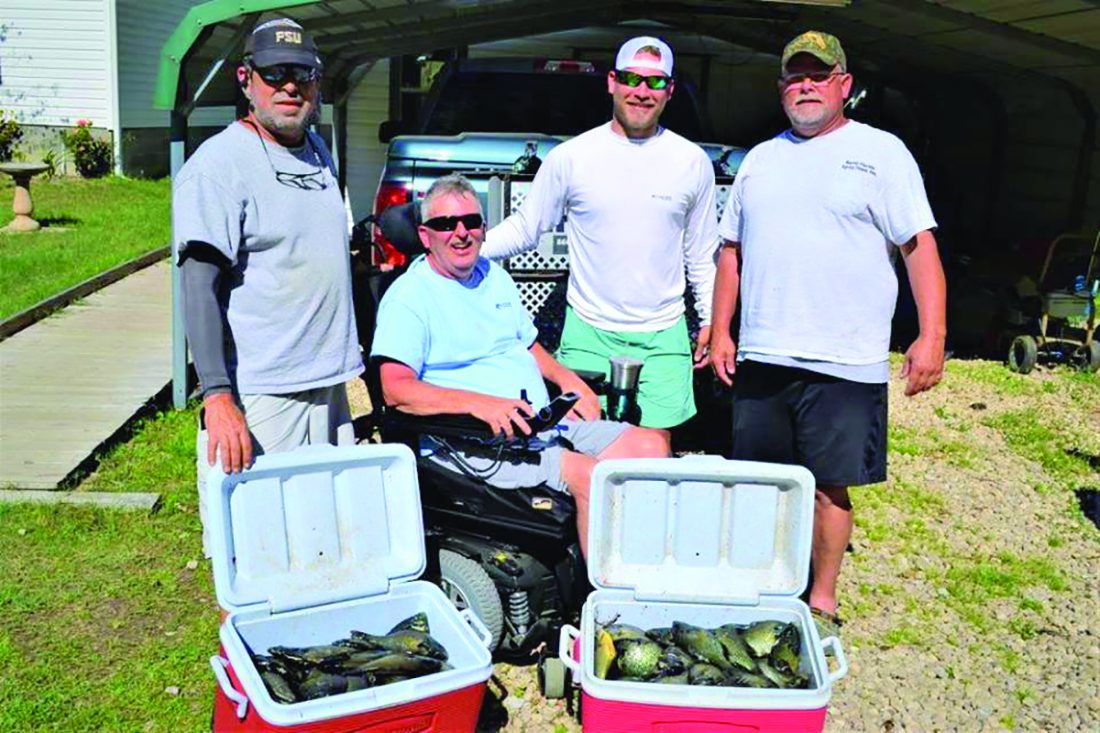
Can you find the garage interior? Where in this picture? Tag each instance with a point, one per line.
(997, 99)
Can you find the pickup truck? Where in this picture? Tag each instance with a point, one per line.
(502, 116)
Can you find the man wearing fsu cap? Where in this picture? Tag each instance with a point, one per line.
(260, 235)
(811, 230)
(639, 208)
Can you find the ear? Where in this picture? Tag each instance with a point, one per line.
(846, 85)
(671, 88)
(611, 82)
(244, 76)
(423, 232)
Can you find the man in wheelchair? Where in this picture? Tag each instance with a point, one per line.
(453, 338)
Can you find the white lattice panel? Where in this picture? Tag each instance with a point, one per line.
(533, 293)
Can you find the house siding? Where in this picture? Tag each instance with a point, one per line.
(55, 62)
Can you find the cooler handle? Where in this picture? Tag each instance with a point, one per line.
(219, 665)
(841, 660)
(568, 638)
(478, 626)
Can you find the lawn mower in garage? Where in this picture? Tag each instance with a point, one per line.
(1057, 311)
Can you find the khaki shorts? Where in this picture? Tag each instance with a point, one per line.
(281, 423)
(590, 437)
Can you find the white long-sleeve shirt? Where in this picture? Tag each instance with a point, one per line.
(637, 216)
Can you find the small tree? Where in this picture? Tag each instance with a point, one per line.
(93, 156)
(10, 134)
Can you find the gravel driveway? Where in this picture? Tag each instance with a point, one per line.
(971, 590)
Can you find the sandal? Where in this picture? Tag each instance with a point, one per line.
(828, 624)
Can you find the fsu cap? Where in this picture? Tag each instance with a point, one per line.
(822, 46)
(281, 41)
(625, 58)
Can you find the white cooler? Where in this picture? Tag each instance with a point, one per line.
(708, 542)
(310, 544)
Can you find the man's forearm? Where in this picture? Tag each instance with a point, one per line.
(420, 398)
(929, 286)
(550, 368)
(727, 285)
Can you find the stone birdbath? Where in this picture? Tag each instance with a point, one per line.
(22, 204)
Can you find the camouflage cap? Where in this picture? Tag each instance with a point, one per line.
(822, 46)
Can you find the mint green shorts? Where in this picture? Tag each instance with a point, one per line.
(664, 386)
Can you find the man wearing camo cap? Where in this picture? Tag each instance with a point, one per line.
(811, 230)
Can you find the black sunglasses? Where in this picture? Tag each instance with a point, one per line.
(632, 79)
(450, 223)
(280, 74)
(817, 77)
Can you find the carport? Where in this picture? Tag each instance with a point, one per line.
(997, 98)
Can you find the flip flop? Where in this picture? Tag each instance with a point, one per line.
(828, 624)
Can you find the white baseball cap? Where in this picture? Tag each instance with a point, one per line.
(625, 59)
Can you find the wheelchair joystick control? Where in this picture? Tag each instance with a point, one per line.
(622, 390)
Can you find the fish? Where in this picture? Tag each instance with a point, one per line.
(408, 641)
(605, 654)
(741, 678)
(624, 631)
(705, 674)
(308, 655)
(702, 644)
(638, 657)
(416, 622)
(736, 651)
(762, 636)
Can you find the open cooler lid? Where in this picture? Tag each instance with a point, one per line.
(700, 528)
(315, 525)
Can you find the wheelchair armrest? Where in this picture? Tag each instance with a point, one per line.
(597, 381)
(447, 426)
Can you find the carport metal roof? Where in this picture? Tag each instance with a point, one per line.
(990, 41)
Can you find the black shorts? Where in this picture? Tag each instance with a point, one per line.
(834, 427)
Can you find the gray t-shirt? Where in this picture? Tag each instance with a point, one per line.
(819, 221)
(278, 217)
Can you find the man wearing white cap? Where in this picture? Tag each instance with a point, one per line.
(638, 202)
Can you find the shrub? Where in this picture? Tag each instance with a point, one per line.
(93, 156)
(10, 134)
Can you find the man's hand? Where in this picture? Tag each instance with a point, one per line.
(227, 433)
(588, 406)
(723, 357)
(502, 415)
(702, 347)
(923, 367)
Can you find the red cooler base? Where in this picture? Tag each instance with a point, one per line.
(613, 716)
(454, 712)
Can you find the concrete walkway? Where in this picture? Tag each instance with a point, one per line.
(68, 382)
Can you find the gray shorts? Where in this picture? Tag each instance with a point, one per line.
(283, 422)
(590, 437)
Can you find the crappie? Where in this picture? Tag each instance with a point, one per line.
(408, 641)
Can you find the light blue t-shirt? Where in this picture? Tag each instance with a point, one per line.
(278, 217)
(819, 221)
(473, 335)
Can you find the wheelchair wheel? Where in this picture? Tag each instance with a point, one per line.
(1023, 354)
(467, 585)
(553, 678)
(1087, 356)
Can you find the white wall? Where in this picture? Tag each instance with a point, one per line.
(55, 62)
(368, 106)
(143, 28)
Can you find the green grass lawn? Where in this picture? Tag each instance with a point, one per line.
(106, 222)
(99, 613)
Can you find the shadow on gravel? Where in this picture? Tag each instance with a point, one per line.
(1089, 501)
(493, 716)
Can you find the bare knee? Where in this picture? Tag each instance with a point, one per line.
(576, 472)
(638, 442)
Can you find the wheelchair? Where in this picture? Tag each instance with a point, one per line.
(512, 556)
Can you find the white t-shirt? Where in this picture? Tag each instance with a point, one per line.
(818, 221)
(636, 215)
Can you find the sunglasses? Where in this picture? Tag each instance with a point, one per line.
(817, 77)
(280, 74)
(450, 223)
(631, 79)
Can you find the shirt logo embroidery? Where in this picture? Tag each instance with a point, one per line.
(858, 165)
